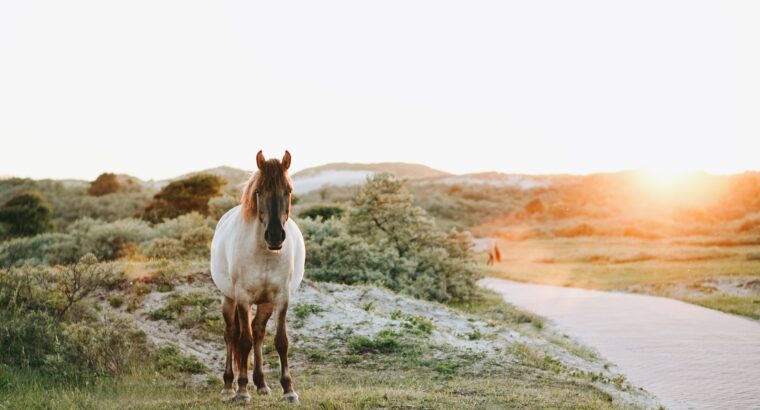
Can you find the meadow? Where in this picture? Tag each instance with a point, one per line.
(693, 237)
(106, 302)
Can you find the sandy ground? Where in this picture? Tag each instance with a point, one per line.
(367, 310)
(690, 357)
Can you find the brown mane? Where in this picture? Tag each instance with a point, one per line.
(271, 177)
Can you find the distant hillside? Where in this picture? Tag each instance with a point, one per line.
(400, 169)
(235, 177)
(346, 174)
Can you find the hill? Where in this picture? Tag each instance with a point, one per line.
(349, 174)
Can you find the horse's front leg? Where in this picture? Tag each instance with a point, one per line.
(281, 343)
(244, 344)
(230, 334)
(263, 313)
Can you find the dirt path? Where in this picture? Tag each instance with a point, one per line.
(690, 357)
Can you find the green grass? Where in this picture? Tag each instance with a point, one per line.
(640, 265)
(748, 306)
(319, 387)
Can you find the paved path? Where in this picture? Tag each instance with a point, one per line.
(688, 356)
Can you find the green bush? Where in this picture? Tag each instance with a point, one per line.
(197, 241)
(109, 241)
(170, 361)
(32, 335)
(45, 249)
(180, 197)
(218, 206)
(26, 214)
(385, 341)
(324, 212)
(386, 240)
(163, 248)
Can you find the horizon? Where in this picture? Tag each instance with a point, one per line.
(508, 87)
(648, 172)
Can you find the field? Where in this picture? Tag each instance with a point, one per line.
(725, 278)
(106, 302)
(694, 237)
(352, 347)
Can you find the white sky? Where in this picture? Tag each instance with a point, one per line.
(159, 88)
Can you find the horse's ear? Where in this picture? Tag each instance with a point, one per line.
(286, 160)
(260, 160)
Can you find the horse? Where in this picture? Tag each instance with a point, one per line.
(489, 246)
(257, 258)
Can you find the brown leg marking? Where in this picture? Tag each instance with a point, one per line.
(281, 343)
(244, 344)
(263, 313)
(230, 335)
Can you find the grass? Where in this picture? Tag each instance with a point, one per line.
(652, 266)
(319, 387)
(748, 306)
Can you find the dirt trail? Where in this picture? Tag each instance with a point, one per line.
(689, 356)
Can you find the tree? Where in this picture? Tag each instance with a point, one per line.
(184, 196)
(105, 183)
(26, 214)
(388, 240)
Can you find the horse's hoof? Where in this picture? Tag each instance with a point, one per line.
(227, 394)
(264, 391)
(291, 397)
(243, 397)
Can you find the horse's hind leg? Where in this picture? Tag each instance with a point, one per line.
(281, 342)
(244, 344)
(230, 334)
(263, 313)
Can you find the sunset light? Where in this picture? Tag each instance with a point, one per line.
(492, 204)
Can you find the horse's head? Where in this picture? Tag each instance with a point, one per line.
(267, 197)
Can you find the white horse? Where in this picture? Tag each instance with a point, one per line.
(257, 258)
(487, 245)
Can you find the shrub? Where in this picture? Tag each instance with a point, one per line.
(385, 341)
(163, 248)
(48, 248)
(170, 360)
(304, 310)
(218, 206)
(72, 283)
(107, 241)
(388, 241)
(111, 347)
(197, 241)
(534, 207)
(176, 227)
(184, 196)
(31, 337)
(26, 215)
(322, 211)
(105, 183)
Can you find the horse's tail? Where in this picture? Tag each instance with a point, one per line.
(496, 252)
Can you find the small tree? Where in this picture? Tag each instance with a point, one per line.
(106, 183)
(184, 196)
(75, 282)
(388, 240)
(26, 215)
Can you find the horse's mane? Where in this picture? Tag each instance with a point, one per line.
(271, 177)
